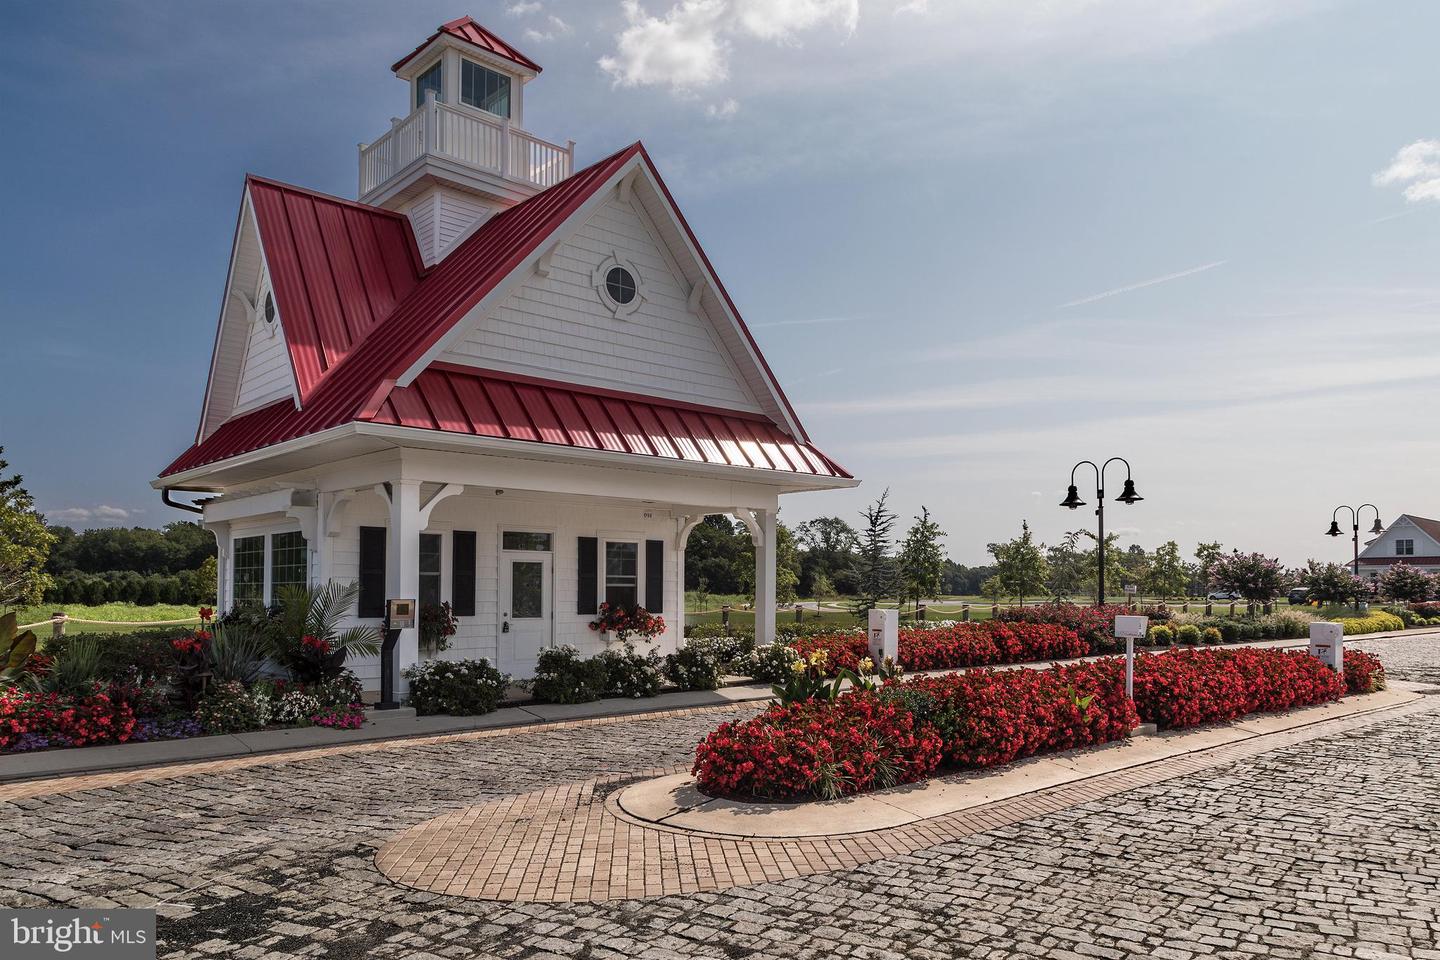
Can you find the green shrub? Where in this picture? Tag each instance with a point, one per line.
(1406, 615)
(629, 674)
(695, 666)
(1377, 622)
(771, 663)
(562, 676)
(231, 708)
(148, 651)
(1212, 635)
(1161, 636)
(1229, 630)
(461, 688)
(1188, 633)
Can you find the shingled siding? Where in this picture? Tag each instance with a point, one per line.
(558, 327)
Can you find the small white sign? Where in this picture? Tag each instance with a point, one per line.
(1131, 588)
(1327, 641)
(884, 635)
(1133, 628)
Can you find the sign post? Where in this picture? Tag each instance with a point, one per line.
(884, 635)
(1327, 641)
(399, 615)
(1131, 629)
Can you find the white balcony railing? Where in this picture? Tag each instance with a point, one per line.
(469, 136)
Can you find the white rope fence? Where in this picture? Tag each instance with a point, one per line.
(58, 623)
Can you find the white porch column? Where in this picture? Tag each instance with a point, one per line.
(765, 577)
(683, 526)
(402, 579)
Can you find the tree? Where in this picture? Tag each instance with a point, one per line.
(1254, 576)
(1205, 556)
(875, 567)
(1169, 575)
(829, 552)
(1067, 569)
(24, 544)
(1331, 583)
(922, 560)
(958, 580)
(1020, 565)
(1090, 559)
(1406, 583)
(720, 553)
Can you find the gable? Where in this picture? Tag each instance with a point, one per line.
(1425, 533)
(335, 268)
(558, 324)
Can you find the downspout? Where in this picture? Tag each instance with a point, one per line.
(171, 502)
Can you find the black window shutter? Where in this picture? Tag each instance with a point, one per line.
(655, 576)
(372, 572)
(462, 572)
(587, 592)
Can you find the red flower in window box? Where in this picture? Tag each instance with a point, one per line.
(625, 622)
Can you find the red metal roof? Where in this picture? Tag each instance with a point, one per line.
(359, 385)
(509, 406)
(472, 33)
(337, 267)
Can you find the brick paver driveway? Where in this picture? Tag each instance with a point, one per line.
(1326, 848)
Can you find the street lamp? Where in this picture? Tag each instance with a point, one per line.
(1072, 501)
(1334, 531)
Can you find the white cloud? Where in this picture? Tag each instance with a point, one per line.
(725, 109)
(688, 48)
(1417, 166)
(554, 27)
(919, 7)
(522, 8)
(102, 514)
(682, 50)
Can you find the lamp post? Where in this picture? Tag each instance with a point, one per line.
(1072, 501)
(1335, 531)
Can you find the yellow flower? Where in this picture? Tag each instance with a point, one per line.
(817, 658)
(866, 665)
(798, 666)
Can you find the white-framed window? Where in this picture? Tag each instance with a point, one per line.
(1404, 548)
(526, 540)
(263, 563)
(484, 89)
(429, 80)
(432, 561)
(620, 564)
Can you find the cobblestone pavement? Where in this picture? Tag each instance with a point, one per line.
(1324, 848)
(1416, 659)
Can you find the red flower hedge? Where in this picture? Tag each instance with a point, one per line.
(817, 749)
(49, 719)
(1363, 672)
(865, 740)
(1095, 625)
(1184, 688)
(960, 645)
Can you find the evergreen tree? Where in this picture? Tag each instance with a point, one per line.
(24, 544)
(875, 567)
(922, 559)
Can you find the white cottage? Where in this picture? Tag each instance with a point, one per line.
(494, 380)
(1410, 539)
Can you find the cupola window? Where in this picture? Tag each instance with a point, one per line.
(269, 307)
(618, 285)
(484, 89)
(429, 80)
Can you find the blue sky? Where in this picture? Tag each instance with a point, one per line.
(978, 241)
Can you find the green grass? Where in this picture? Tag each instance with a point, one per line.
(110, 617)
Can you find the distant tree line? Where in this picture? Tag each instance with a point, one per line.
(175, 564)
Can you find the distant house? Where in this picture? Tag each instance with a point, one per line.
(493, 381)
(1410, 539)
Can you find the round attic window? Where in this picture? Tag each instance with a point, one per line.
(269, 307)
(620, 285)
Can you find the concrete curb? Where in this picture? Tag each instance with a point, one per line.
(128, 756)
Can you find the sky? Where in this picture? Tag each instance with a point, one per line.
(977, 241)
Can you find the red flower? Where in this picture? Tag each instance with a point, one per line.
(317, 644)
(206, 613)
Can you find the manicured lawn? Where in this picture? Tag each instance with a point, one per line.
(109, 617)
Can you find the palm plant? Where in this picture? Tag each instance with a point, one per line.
(236, 653)
(76, 669)
(310, 641)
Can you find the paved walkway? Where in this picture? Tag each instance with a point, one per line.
(1326, 848)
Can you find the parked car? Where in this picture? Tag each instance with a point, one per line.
(1222, 595)
(1299, 595)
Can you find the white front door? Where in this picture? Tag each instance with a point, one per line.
(525, 610)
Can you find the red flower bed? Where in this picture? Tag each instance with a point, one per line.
(817, 749)
(960, 645)
(1095, 625)
(864, 740)
(1363, 672)
(37, 720)
(1184, 688)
